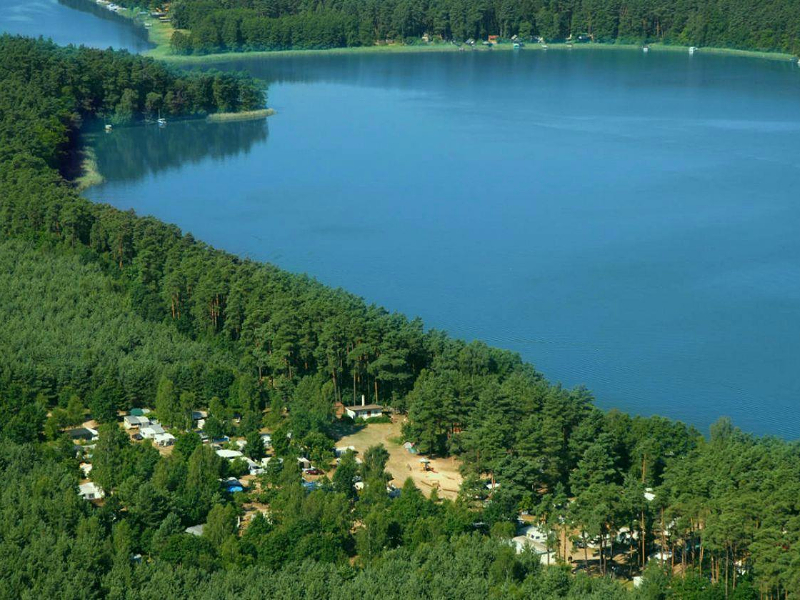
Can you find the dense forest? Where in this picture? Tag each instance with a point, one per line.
(236, 25)
(105, 311)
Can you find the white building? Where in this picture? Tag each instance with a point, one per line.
(150, 431)
(132, 422)
(364, 411)
(229, 454)
(90, 491)
(164, 439)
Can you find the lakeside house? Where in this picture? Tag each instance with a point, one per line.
(164, 439)
(151, 430)
(340, 451)
(135, 422)
(229, 454)
(534, 539)
(90, 491)
(364, 411)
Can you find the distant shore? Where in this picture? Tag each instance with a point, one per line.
(160, 35)
(444, 47)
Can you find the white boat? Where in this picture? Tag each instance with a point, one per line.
(108, 128)
(161, 121)
(692, 49)
(645, 49)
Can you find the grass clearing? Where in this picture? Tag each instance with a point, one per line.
(443, 476)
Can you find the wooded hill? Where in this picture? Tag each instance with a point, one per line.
(105, 311)
(235, 25)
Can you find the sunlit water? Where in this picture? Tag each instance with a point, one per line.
(624, 221)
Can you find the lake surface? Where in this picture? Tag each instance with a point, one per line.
(624, 221)
(72, 22)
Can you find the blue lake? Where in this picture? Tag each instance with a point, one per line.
(624, 221)
(72, 22)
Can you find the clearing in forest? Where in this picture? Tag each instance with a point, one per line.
(443, 473)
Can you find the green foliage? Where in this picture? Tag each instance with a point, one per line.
(118, 311)
(218, 25)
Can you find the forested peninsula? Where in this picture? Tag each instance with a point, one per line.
(206, 26)
(109, 315)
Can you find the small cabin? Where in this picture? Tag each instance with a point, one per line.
(90, 491)
(365, 411)
(134, 422)
(151, 430)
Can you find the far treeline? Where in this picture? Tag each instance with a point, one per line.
(242, 25)
(104, 311)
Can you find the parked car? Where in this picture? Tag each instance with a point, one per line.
(137, 436)
(313, 471)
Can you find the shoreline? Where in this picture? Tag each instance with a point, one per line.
(159, 34)
(88, 173)
(165, 54)
(246, 115)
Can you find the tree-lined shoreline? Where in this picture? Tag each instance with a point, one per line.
(107, 311)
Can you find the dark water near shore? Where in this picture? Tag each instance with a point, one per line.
(72, 22)
(625, 221)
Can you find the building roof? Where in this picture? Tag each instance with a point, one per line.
(229, 454)
(196, 529)
(154, 428)
(82, 433)
(364, 407)
(90, 488)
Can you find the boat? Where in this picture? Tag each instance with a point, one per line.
(108, 128)
(645, 49)
(692, 49)
(516, 46)
(161, 121)
(544, 46)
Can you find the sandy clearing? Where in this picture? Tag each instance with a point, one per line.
(443, 475)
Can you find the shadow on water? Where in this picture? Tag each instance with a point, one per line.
(131, 153)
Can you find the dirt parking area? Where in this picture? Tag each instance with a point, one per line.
(442, 475)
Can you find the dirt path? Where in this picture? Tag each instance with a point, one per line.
(402, 464)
